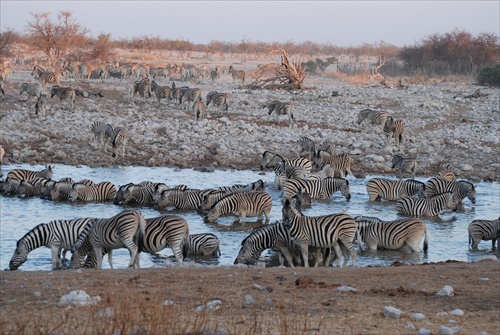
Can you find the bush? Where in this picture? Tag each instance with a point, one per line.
(489, 75)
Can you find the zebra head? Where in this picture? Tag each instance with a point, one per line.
(344, 190)
(20, 255)
(247, 254)
(213, 214)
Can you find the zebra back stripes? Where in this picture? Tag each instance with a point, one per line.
(484, 230)
(46, 76)
(405, 165)
(101, 192)
(22, 174)
(242, 205)
(270, 160)
(32, 89)
(321, 232)
(373, 116)
(182, 199)
(64, 93)
(120, 135)
(340, 163)
(392, 190)
(203, 244)
(460, 189)
(317, 188)
(56, 235)
(237, 74)
(403, 234)
(426, 207)
(161, 92)
(394, 129)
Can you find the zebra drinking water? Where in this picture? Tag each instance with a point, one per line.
(392, 190)
(460, 189)
(242, 205)
(426, 207)
(203, 244)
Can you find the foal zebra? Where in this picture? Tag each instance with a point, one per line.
(242, 205)
(408, 165)
(394, 129)
(404, 235)
(237, 74)
(426, 207)
(203, 244)
(120, 135)
(56, 235)
(484, 230)
(63, 93)
(392, 190)
(460, 189)
(103, 132)
(46, 76)
(317, 188)
(21, 174)
(325, 231)
(199, 109)
(340, 163)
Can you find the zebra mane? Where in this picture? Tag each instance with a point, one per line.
(38, 227)
(256, 230)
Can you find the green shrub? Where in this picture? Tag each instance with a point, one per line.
(489, 75)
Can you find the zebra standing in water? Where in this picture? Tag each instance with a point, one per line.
(182, 199)
(102, 192)
(21, 174)
(273, 236)
(405, 164)
(392, 190)
(321, 232)
(237, 74)
(270, 160)
(426, 207)
(56, 235)
(394, 129)
(317, 188)
(404, 235)
(120, 135)
(242, 205)
(47, 76)
(340, 163)
(460, 189)
(64, 93)
(125, 229)
(203, 244)
(103, 133)
(161, 92)
(484, 230)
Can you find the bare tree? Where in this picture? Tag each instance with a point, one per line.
(56, 38)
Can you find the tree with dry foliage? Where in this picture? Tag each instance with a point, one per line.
(287, 75)
(56, 38)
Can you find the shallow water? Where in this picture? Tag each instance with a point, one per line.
(448, 232)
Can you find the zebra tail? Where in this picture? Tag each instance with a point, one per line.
(426, 240)
(139, 235)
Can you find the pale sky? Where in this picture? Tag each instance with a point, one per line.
(341, 23)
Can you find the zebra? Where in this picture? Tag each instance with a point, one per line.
(20, 174)
(56, 235)
(177, 92)
(191, 94)
(125, 229)
(85, 70)
(120, 135)
(447, 174)
(394, 129)
(46, 76)
(307, 146)
(460, 189)
(32, 89)
(135, 194)
(317, 189)
(181, 199)
(210, 95)
(161, 92)
(340, 163)
(103, 132)
(60, 190)
(237, 74)
(219, 100)
(165, 231)
(281, 108)
(31, 188)
(273, 236)
(214, 74)
(242, 205)
(203, 244)
(270, 160)
(63, 93)
(404, 235)
(484, 230)
(302, 199)
(426, 207)
(142, 88)
(405, 164)
(101, 192)
(325, 231)
(373, 116)
(392, 190)
(199, 109)
(41, 104)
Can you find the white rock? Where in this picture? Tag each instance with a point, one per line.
(457, 312)
(445, 291)
(486, 258)
(443, 330)
(248, 300)
(417, 316)
(168, 303)
(78, 298)
(424, 331)
(391, 312)
(346, 289)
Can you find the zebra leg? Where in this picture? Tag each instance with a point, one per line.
(305, 254)
(110, 258)
(284, 252)
(338, 253)
(318, 257)
(56, 259)
(98, 257)
(177, 250)
(133, 252)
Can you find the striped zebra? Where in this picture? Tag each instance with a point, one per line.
(103, 133)
(32, 188)
(11, 186)
(404, 235)
(405, 165)
(484, 230)
(47, 76)
(219, 101)
(125, 229)
(64, 93)
(177, 92)
(373, 116)
(190, 95)
(273, 236)
(181, 199)
(461, 189)
(426, 207)
(165, 231)
(101, 192)
(327, 231)
(135, 194)
(340, 163)
(56, 235)
(41, 104)
(85, 70)
(392, 190)
(60, 190)
(242, 205)
(120, 135)
(203, 244)
(394, 129)
(199, 109)
(142, 88)
(281, 108)
(447, 173)
(32, 89)
(211, 197)
(317, 189)
(161, 92)
(302, 199)
(270, 160)
(307, 147)
(20, 174)
(237, 74)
